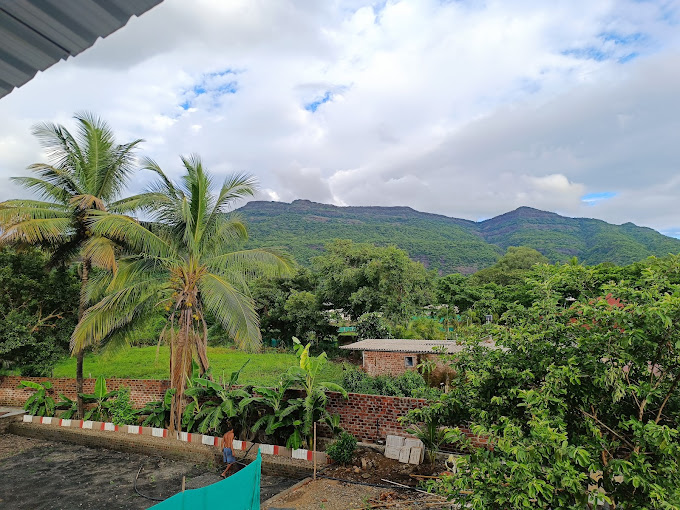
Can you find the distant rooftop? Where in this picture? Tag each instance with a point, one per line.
(407, 345)
(36, 34)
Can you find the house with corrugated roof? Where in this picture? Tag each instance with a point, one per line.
(393, 356)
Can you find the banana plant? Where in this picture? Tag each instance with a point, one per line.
(40, 403)
(70, 406)
(158, 411)
(100, 398)
(315, 400)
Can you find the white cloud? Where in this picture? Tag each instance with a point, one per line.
(462, 108)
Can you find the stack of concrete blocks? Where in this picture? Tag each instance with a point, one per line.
(405, 450)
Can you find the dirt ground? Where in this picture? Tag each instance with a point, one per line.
(37, 474)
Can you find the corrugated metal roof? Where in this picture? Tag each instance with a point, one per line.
(36, 34)
(407, 345)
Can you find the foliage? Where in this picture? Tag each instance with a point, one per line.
(191, 265)
(120, 408)
(428, 425)
(38, 311)
(68, 406)
(362, 278)
(342, 449)
(214, 406)
(39, 403)
(421, 328)
(102, 400)
(85, 176)
(277, 420)
(158, 412)
(582, 405)
(372, 325)
(407, 384)
(314, 402)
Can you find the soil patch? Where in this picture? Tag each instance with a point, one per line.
(39, 474)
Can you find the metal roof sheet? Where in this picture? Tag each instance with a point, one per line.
(408, 345)
(36, 34)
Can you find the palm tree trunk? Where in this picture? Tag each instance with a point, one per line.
(180, 367)
(80, 355)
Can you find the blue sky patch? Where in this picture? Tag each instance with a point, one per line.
(215, 85)
(586, 53)
(314, 105)
(596, 198)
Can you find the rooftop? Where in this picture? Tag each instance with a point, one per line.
(408, 345)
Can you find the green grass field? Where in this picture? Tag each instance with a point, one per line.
(142, 363)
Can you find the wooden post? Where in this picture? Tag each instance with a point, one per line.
(314, 453)
(184, 482)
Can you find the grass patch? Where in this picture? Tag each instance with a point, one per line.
(141, 363)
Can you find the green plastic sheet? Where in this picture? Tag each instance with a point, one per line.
(240, 491)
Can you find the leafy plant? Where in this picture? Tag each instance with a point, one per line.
(100, 398)
(431, 430)
(69, 406)
(333, 423)
(315, 399)
(342, 449)
(40, 403)
(120, 408)
(158, 412)
(276, 408)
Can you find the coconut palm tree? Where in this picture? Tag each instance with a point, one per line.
(85, 172)
(191, 265)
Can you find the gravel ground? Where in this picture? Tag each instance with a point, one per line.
(39, 474)
(333, 495)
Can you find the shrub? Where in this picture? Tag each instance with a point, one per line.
(408, 384)
(120, 409)
(342, 449)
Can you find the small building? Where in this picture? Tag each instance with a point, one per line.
(391, 356)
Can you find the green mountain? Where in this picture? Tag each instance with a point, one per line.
(449, 244)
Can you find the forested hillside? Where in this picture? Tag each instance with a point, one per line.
(450, 244)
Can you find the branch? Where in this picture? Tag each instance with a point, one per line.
(42, 320)
(610, 430)
(668, 395)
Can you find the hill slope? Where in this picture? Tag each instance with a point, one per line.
(449, 244)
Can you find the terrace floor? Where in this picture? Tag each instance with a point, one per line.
(37, 474)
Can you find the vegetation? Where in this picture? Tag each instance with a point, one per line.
(86, 175)
(582, 407)
(342, 449)
(450, 245)
(38, 311)
(39, 403)
(264, 369)
(190, 266)
(408, 384)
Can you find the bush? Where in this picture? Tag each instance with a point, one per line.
(408, 384)
(121, 410)
(342, 449)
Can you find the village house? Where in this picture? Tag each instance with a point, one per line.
(392, 356)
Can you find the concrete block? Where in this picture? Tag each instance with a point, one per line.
(282, 451)
(392, 452)
(64, 423)
(28, 418)
(413, 443)
(110, 427)
(302, 454)
(239, 445)
(209, 440)
(134, 429)
(404, 454)
(46, 420)
(397, 441)
(155, 432)
(415, 457)
(267, 449)
(87, 424)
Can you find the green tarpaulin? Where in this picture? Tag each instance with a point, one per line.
(240, 491)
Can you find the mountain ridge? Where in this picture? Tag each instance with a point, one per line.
(446, 243)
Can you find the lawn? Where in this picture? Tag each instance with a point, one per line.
(142, 363)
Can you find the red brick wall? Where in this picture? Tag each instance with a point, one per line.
(387, 363)
(141, 390)
(359, 413)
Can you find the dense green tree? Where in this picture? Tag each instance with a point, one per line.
(38, 311)
(191, 265)
(582, 404)
(361, 278)
(86, 173)
(512, 267)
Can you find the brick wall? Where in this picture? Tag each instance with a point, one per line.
(142, 391)
(359, 413)
(388, 363)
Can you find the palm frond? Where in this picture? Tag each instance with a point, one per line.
(234, 310)
(101, 252)
(37, 231)
(254, 263)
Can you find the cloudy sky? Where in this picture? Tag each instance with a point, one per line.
(464, 108)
